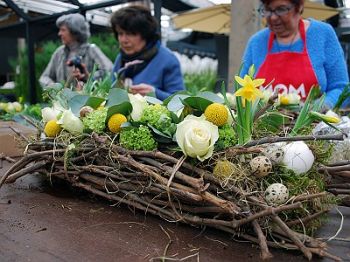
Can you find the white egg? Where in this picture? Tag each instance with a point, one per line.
(260, 166)
(276, 194)
(298, 157)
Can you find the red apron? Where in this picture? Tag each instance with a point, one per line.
(290, 71)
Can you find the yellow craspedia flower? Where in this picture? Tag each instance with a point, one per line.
(223, 168)
(52, 129)
(217, 114)
(115, 122)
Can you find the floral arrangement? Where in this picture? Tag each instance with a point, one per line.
(251, 170)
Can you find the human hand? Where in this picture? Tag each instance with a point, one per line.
(81, 73)
(142, 89)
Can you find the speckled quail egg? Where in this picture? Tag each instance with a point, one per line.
(85, 110)
(260, 166)
(274, 153)
(276, 194)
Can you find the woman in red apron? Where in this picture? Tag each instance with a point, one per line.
(296, 54)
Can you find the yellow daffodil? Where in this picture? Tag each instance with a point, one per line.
(288, 99)
(249, 90)
(328, 118)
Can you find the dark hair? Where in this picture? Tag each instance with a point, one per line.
(76, 25)
(136, 20)
(297, 3)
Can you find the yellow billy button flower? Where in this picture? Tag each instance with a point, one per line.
(250, 87)
(52, 129)
(115, 122)
(217, 114)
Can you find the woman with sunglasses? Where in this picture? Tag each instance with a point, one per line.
(295, 54)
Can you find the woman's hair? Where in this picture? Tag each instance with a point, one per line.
(136, 20)
(297, 3)
(76, 25)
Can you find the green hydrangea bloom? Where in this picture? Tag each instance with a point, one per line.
(227, 137)
(158, 116)
(137, 139)
(96, 120)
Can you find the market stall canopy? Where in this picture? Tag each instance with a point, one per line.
(217, 19)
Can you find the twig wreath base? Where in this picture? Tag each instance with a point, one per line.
(170, 186)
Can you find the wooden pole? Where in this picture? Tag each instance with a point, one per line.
(245, 21)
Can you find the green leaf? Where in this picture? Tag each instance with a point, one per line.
(196, 102)
(211, 97)
(345, 94)
(175, 103)
(168, 99)
(159, 136)
(310, 104)
(117, 96)
(77, 102)
(124, 108)
(273, 120)
(94, 102)
(153, 100)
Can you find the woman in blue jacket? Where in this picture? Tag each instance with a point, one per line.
(143, 64)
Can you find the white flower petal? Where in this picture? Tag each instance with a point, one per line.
(196, 137)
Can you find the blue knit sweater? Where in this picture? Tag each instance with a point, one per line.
(326, 55)
(163, 73)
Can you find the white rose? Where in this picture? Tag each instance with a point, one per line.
(196, 137)
(71, 123)
(138, 103)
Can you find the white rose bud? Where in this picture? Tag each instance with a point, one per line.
(71, 123)
(138, 103)
(196, 137)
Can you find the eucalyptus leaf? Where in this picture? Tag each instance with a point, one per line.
(168, 99)
(77, 102)
(117, 96)
(68, 94)
(175, 103)
(94, 101)
(211, 97)
(159, 136)
(153, 100)
(198, 103)
(124, 108)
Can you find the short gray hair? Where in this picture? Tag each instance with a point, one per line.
(77, 26)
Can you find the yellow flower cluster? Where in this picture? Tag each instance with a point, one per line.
(52, 129)
(217, 114)
(115, 122)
